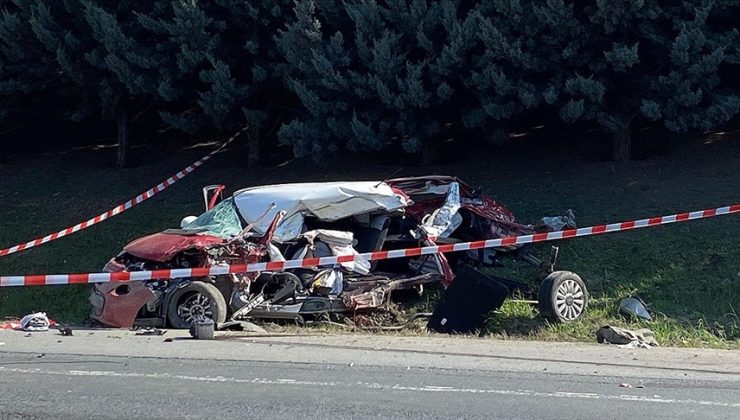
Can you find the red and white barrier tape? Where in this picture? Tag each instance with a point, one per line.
(122, 207)
(124, 276)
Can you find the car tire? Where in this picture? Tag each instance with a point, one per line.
(563, 297)
(194, 300)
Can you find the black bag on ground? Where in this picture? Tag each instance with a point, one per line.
(467, 302)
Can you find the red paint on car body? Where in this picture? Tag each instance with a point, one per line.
(162, 247)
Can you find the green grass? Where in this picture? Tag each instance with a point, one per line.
(689, 273)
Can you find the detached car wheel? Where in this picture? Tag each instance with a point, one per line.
(563, 297)
(196, 300)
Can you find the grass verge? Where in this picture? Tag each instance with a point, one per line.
(689, 273)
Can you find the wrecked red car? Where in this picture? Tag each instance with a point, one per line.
(296, 221)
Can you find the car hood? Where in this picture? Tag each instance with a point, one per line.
(163, 246)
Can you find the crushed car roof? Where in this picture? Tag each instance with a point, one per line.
(327, 201)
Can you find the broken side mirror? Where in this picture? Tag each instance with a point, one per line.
(213, 194)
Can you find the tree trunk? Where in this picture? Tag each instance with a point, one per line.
(253, 145)
(622, 150)
(122, 151)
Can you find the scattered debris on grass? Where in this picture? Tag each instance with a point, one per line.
(635, 307)
(641, 338)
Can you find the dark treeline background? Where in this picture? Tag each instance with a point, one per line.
(363, 75)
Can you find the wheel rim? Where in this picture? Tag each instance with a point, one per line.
(195, 306)
(570, 300)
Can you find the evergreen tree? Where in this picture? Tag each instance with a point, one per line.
(373, 74)
(216, 64)
(516, 67)
(652, 60)
(27, 70)
(123, 67)
(86, 55)
(367, 74)
(201, 65)
(695, 89)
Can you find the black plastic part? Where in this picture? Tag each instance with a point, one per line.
(466, 303)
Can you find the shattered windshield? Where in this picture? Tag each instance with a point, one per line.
(222, 220)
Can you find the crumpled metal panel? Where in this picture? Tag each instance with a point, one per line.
(117, 304)
(327, 201)
(163, 247)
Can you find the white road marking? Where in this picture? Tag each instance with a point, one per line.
(373, 385)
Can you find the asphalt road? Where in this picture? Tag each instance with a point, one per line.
(118, 375)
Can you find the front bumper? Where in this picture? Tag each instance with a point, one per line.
(117, 303)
